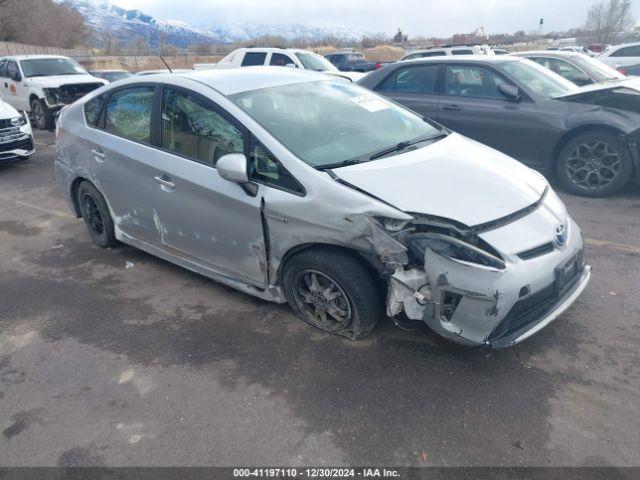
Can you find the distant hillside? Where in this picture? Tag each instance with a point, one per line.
(103, 16)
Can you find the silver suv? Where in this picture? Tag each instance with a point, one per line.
(295, 187)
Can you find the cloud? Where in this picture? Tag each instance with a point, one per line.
(415, 17)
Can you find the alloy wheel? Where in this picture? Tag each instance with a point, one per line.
(322, 300)
(92, 214)
(593, 165)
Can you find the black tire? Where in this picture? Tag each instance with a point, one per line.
(95, 213)
(351, 278)
(42, 116)
(594, 164)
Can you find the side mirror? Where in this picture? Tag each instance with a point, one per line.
(233, 168)
(582, 80)
(511, 92)
(15, 76)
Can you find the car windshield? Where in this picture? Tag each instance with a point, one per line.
(47, 67)
(603, 71)
(537, 78)
(332, 123)
(312, 61)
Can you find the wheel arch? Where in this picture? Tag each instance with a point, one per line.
(567, 137)
(366, 260)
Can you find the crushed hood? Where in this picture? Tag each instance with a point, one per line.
(455, 178)
(59, 80)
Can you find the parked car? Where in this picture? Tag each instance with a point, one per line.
(450, 50)
(630, 70)
(43, 84)
(578, 68)
(586, 137)
(597, 48)
(16, 137)
(626, 54)
(111, 75)
(293, 186)
(284, 57)
(163, 71)
(352, 62)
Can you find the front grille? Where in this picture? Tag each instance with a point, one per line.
(22, 144)
(71, 93)
(6, 123)
(537, 251)
(531, 309)
(10, 134)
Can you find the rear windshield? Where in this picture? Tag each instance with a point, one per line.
(47, 67)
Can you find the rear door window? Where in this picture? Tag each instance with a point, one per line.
(627, 52)
(415, 79)
(128, 113)
(253, 58)
(472, 81)
(280, 60)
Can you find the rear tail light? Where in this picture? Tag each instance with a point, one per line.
(622, 71)
(378, 65)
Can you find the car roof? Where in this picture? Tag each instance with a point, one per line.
(465, 59)
(272, 49)
(230, 81)
(550, 53)
(29, 57)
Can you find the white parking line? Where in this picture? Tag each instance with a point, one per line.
(56, 213)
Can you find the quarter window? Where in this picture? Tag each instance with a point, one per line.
(191, 127)
(253, 58)
(265, 168)
(92, 110)
(418, 79)
(470, 81)
(129, 113)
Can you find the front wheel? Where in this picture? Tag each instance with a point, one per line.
(594, 164)
(332, 290)
(42, 116)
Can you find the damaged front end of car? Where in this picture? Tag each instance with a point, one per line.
(474, 293)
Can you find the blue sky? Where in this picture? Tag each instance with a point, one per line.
(415, 17)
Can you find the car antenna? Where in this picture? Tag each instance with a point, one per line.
(165, 63)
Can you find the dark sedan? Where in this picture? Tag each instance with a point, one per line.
(575, 67)
(587, 137)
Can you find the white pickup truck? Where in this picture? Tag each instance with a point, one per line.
(43, 84)
(284, 57)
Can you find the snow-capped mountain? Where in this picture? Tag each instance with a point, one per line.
(105, 17)
(125, 25)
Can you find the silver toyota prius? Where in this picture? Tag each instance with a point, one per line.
(296, 187)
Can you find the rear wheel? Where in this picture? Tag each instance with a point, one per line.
(332, 290)
(95, 213)
(594, 164)
(42, 116)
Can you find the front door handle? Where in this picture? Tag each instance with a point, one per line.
(452, 108)
(165, 182)
(99, 155)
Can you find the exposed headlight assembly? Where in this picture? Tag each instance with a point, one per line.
(52, 96)
(454, 249)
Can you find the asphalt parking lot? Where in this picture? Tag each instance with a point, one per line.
(114, 357)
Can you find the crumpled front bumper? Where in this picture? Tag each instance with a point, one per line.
(501, 308)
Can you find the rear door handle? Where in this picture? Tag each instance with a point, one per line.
(165, 182)
(453, 108)
(99, 155)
